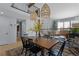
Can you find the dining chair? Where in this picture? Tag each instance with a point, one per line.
(60, 38)
(46, 36)
(74, 51)
(29, 46)
(57, 52)
(35, 50)
(26, 45)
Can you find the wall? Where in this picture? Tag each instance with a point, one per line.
(7, 30)
(29, 25)
(47, 23)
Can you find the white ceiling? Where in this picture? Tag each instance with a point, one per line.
(13, 13)
(58, 10)
(62, 10)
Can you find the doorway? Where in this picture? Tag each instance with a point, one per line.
(19, 28)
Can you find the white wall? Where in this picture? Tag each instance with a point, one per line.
(47, 23)
(7, 30)
(29, 25)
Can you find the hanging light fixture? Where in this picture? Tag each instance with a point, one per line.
(45, 11)
(33, 15)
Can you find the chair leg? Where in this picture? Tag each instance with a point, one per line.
(42, 52)
(35, 54)
(22, 50)
(30, 53)
(25, 52)
(49, 54)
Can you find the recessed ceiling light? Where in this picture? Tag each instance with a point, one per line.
(2, 12)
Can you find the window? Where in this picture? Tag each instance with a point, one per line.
(60, 24)
(74, 22)
(63, 25)
(67, 24)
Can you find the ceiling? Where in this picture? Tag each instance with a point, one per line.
(58, 10)
(11, 12)
(62, 10)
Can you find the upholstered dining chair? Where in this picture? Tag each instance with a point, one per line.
(57, 52)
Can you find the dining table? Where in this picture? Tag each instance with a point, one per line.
(44, 43)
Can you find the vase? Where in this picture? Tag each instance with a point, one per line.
(38, 35)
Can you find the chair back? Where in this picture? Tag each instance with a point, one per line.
(30, 42)
(61, 49)
(46, 36)
(24, 41)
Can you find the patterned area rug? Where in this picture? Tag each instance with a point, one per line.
(17, 52)
(67, 51)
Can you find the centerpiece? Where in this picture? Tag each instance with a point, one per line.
(37, 28)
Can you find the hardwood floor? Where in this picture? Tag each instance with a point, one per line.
(5, 48)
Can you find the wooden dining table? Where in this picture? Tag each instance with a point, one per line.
(44, 43)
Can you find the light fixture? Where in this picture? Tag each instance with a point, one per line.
(45, 11)
(2, 12)
(33, 15)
